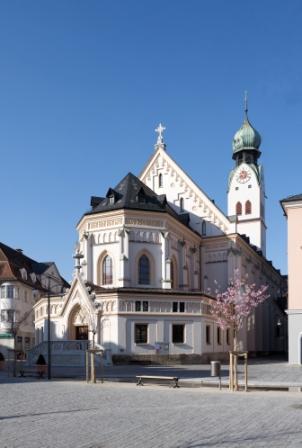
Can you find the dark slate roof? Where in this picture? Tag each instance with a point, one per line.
(132, 193)
(293, 198)
(12, 260)
(296, 197)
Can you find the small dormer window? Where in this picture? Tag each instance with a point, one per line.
(33, 277)
(141, 196)
(23, 273)
(112, 196)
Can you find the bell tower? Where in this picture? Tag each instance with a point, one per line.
(246, 193)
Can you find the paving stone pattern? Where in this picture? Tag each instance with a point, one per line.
(261, 371)
(73, 414)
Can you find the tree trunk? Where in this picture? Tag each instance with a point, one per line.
(235, 340)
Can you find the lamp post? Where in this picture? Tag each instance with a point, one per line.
(78, 256)
(49, 374)
(48, 332)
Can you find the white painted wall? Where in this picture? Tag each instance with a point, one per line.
(252, 224)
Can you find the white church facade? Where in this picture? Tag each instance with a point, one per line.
(151, 254)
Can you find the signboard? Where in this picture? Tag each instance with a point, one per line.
(161, 347)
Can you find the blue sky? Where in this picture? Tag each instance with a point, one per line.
(83, 84)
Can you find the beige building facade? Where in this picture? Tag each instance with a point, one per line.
(22, 282)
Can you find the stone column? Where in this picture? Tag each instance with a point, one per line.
(165, 260)
(88, 254)
(124, 275)
(193, 268)
(183, 270)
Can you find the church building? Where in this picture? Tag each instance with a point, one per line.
(152, 252)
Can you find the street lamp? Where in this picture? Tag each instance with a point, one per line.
(48, 332)
(49, 277)
(78, 256)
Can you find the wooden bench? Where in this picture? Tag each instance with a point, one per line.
(28, 371)
(172, 379)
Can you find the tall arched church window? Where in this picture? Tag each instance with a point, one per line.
(107, 271)
(203, 228)
(144, 270)
(181, 204)
(248, 207)
(238, 208)
(160, 180)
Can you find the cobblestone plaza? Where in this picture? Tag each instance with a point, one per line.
(36, 414)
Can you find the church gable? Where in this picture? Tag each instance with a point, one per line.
(163, 175)
(78, 295)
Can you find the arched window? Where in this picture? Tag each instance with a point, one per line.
(181, 204)
(248, 207)
(144, 270)
(107, 271)
(238, 208)
(160, 180)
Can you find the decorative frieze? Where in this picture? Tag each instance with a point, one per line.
(105, 223)
(144, 222)
(215, 257)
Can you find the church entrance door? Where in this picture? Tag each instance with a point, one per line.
(78, 324)
(81, 332)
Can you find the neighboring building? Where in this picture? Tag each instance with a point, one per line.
(22, 282)
(292, 207)
(155, 249)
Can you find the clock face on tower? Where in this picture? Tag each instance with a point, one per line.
(243, 176)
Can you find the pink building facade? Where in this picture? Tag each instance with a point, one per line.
(292, 207)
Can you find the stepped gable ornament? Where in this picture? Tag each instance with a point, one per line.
(160, 139)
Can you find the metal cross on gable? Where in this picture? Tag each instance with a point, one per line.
(160, 129)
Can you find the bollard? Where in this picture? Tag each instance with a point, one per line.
(216, 370)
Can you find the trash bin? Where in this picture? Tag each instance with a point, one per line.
(215, 368)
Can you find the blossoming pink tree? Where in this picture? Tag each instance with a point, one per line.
(232, 306)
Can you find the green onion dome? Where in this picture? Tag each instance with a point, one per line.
(247, 138)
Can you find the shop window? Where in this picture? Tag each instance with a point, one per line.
(228, 336)
(178, 334)
(218, 335)
(141, 333)
(208, 334)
